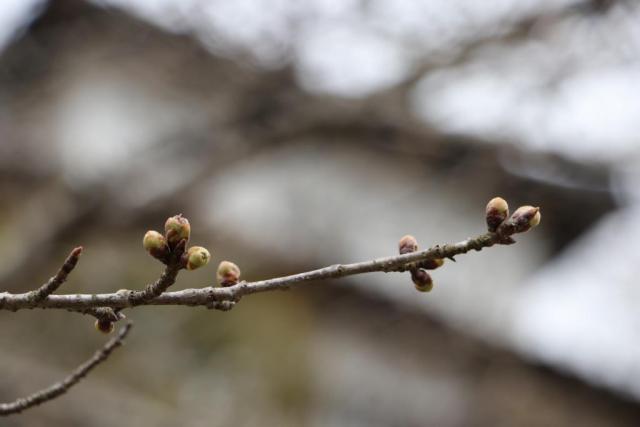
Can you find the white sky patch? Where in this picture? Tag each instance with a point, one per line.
(592, 115)
(13, 15)
(348, 61)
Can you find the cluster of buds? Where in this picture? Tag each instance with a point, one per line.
(499, 221)
(421, 278)
(176, 230)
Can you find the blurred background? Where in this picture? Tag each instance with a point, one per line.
(298, 134)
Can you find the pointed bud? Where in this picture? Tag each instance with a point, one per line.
(524, 218)
(432, 264)
(154, 243)
(407, 244)
(177, 228)
(197, 257)
(422, 280)
(496, 212)
(104, 325)
(228, 274)
(535, 221)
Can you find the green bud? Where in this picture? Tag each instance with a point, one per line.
(407, 244)
(154, 242)
(104, 325)
(228, 274)
(177, 228)
(197, 256)
(496, 212)
(422, 280)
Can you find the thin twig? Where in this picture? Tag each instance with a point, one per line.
(56, 281)
(211, 297)
(166, 279)
(63, 386)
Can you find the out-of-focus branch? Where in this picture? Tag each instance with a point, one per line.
(59, 388)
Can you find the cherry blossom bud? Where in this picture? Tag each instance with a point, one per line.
(197, 256)
(177, 228)
(422, 280)
(154, 243)
(104, 325)
(496, 212)
(228, 274)
(407, 244)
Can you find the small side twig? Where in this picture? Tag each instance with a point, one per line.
(74, 378)
(56, 281)
(166, 279)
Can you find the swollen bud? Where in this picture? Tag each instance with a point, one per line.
(154, 243)
(228, 274)
(407, 244)
(104, 325)
(197, 256)
(525, 218)
(177, 228)
(496, 212)
(422, 280)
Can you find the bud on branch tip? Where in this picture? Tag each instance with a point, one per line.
(177, 228)
(525, 218)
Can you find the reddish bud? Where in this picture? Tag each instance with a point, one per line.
(228, 274)
(422, 280)
(524, 218)
(496, 212)
(407, 244)
(104, 325)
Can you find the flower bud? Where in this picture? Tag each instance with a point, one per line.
(422, 280)
(154, 243)
(432, 264)
(524, 218)
(496, 212)
(407, 244)
(177, 228)
(197, 256)
(104, 325)
(228, 274)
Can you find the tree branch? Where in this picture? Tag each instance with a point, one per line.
(59, 388)
(56, 281)
(211, 297)
(170, 249)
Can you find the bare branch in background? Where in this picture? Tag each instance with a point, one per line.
(60, 388)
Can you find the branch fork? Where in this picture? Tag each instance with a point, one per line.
(171, 249)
